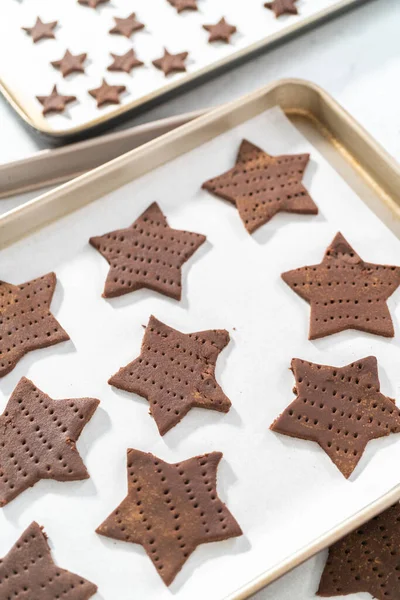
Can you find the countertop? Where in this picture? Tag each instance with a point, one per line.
(355, 57)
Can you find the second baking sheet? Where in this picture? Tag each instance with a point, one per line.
(283, 492)
(27, 72)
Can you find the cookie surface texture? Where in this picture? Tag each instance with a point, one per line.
(345, 292)
(148, 254)
(171, 509)
(340, 408)
(175, 372)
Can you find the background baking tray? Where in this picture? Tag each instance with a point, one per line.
(287, 496)
(27, 72)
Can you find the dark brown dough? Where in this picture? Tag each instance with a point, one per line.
(171, 509)
(261, 185)
(38, 439)
(340, 408)
(148, 254)
(28, 571)
(345, 292)
(367, 560)
(175, 372)
(26, 322)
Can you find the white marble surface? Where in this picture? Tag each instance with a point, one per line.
(356, 58)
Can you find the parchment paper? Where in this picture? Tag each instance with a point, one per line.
(284, 492)
(25, 67)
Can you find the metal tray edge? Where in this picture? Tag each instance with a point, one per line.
(53, 167)
(319, 544)
(188, 79)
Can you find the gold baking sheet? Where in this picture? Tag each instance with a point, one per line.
(27, 72)
(360, 161)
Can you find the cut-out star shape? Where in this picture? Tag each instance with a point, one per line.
(261, 185)
(125, 62)
(38, 439)
(55, 102)
(175, 372)
(148, 254)
(126, 26)
(220, 31)
(170, 509)
(41, 30)
(171, 63)
(70, 63)
(92, 3)
(340, 408)
(366, 560)
(107, 94)
(26, 322)
(281, 7)
(181, 5)
(29, 571)
(345, 292)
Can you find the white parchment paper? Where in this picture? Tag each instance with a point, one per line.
(26, 70)
(284, 492)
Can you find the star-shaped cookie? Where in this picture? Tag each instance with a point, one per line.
(125, 62)
(28, 571)
(220, 31)
(41, 30)
(92, 3)
(55, 102)
(345, 292)
(281, 7)
(70, 63)
(175, 372)
(126, 26)
(26, 322)
(340, 408)
(171, 63)
(181, 5)
(148, 254)
(37, 439)
(366, 560)
(171, 509)
(107, 94)
(261, 185)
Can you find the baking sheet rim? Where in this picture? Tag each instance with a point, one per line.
(20, 214)
(264, 43)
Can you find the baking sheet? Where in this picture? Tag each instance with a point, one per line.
(27, 71)
(284, 492)
(302, 583)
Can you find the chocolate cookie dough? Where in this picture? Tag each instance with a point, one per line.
(340, 408)
(171, 63)
(55, 102)
(221, 31)
(182, 5)
(26, 322)
(175, 372)
(171, 509)
(366, 560)
(345, 292)
(282, 7)
(148, 254)
(107, 94)
(38, 439)
(126, 26)
(41, 30)
(70, 63)
(28, 571)
(125, 62)
(261, 185)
